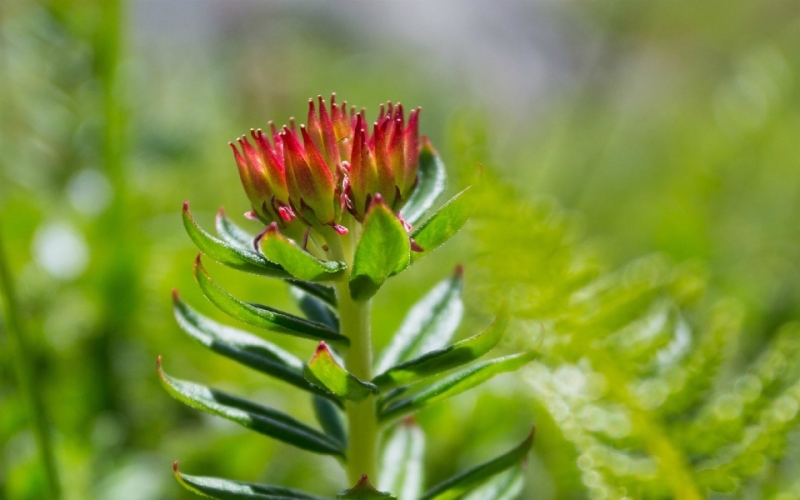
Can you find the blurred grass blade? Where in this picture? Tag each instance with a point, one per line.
(431, 185)
(507, 486)
(363, 490)
(402, 464)
(457, 486)
(315, 309)
(442, 360)
(224, 489)
(429, 325)
(248, 414)
(324, 293)
(262, 316)
(295, 260)
(330, 419)
(26, 375)
(383, 249)
(229, 255)
(455, 384)
(232, 234)
(443, 224)
(243, 347)
(324, 370)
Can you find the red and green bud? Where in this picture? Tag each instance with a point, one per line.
(333, 165)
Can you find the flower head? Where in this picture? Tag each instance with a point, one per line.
(333, 166)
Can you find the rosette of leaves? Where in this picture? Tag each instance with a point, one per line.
(345, 211)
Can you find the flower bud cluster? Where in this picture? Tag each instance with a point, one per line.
(335, 165)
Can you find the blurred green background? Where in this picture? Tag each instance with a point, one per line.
(647, 126)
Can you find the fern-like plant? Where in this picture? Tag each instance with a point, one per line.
(344, 211)
(638, 367)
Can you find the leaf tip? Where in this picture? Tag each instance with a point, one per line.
(198, 264)
(458, 272)
(158, 363)
(175, 467)
(186, 206)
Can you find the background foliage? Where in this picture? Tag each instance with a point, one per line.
(666, 128)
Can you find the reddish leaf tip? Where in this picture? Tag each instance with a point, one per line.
(220, 212)
(251, 215)
(409, 421)
(175, 294)
(158, 363)
(186, 206)
(175, 466)
(459, 271)
(322, 348)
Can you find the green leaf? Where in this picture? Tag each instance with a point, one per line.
(363, 490)
(315, 309)
(455, 384)
(443, 224)
(431, 174)
(224, 489)
(442, 360)
(507, 486)
(324, 293)
(457, 486)
(227, 254)
(254, 416)
(326, 372)
(330, 419)
(382, 250)
(294, 259)
(402, 464)
(429, 325)
(243, 347)
(232, 234)
(262, 316)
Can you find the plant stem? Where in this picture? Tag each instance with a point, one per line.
(27, 380)
(354, 322)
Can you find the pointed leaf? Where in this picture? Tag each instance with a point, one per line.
(330, 419)
(224, 489)
(295, 260)
(457, 486)
(443, 224)
(243, 347)
(455, 384)
(262, 316)
(254, 416)
(226, 254)
(402, 464)
(315, 309)
(430, 186)
(322, 292)
(325, 371)
(429, 325)
(364, 491)
(232, 234)
(442, 360)
(506, 486)
(382, 250)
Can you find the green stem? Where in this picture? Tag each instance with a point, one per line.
(27, 379)
(354, 322)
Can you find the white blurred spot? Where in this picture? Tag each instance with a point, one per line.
(60, 250)
(89, 192)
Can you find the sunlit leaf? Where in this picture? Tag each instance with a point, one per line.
(297, 261)
(224, 489)
(442, 360)
(429, 325)
(324, 370)
(227, 254)
(430, 186)
(243, 347)
(443, 224)
(262, 316)
(455, 384)
(252, 415)
(457, 486)
(383, 249)
(506, 486)
(402, 463)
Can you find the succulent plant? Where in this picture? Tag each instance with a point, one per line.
(344, 210)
